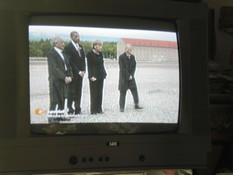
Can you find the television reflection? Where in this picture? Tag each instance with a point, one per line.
(147, 172)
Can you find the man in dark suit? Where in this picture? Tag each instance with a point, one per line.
(127, 67)
(77, 62)
(60, 75)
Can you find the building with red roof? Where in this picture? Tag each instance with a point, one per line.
(150, 50)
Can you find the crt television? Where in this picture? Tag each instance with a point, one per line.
(172, 129)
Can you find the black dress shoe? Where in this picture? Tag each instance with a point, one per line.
(122, 110)
(78, 111)
(71, 111)
(138, 107)
(101, 112)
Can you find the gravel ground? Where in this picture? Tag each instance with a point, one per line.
(158, 87)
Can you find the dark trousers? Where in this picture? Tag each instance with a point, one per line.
(75, 95)
(134, 93)
(57, 93)
(96, 92)
(54, 104)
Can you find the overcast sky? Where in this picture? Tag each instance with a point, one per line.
(105, 32)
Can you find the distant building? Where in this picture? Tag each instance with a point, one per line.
(150, 50)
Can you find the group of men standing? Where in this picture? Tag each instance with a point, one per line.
(67, 67)
(66, 62)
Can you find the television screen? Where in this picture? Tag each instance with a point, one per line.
(147, 103)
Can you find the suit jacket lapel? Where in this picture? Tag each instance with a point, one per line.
(60, 60)
(125, 61)
(73, 47)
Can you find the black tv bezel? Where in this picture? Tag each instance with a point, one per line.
(187, 148)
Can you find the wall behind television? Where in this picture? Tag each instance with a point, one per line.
(224, 41)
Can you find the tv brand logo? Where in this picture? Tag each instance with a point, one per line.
(39, 111)
(113, 143)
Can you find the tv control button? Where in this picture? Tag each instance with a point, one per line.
(84, 159)
(142, 158)
(91, 159)
(107, 159)
(73, 160)
(100, 159)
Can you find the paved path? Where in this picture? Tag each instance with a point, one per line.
(158, 87)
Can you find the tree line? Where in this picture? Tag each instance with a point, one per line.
(42, 47)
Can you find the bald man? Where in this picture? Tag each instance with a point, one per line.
(60, 74)
(127, 67)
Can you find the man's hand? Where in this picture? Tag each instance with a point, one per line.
(130, 77)
(82, 73)
(93, 79)
(68, 80)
